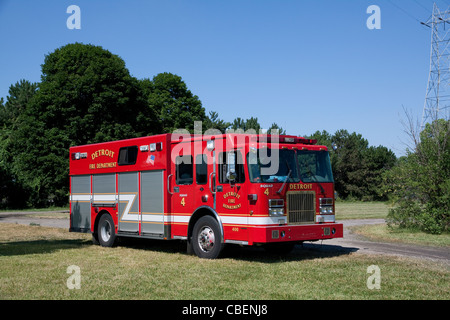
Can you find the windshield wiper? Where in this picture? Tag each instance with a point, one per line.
(287, 178)
(312, 175)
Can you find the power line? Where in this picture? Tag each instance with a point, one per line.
(404, 11)
(410, 15)
(429, 11)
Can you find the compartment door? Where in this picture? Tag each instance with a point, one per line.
(152, 203)
(128, 202)
(80, 202)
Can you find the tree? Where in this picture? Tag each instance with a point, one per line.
(420, 182)
(86, 95)
(275, 126)
(20, 94)
(12, 192)
(173, 104)
(377, 160)
(323, 138)
(348, 165)
(240, 124)
(214, 122)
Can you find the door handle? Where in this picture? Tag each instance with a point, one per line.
(210, 185)
(168, 183)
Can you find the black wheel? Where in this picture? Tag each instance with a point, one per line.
(206, 239)
(106, 232)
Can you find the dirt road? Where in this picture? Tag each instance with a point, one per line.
(350, 243)
(355, 243)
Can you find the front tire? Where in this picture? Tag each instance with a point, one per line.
(106, 232)
(206, 239)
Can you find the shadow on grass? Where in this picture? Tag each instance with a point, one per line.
(306, 251)
(18, 248)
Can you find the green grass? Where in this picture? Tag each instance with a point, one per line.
(44, 213)
(49, 209)
(381, 232)
(34, 261)
(361, 210)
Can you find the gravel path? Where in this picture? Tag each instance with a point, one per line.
(355, 243)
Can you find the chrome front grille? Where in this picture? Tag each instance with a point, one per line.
(301, 207)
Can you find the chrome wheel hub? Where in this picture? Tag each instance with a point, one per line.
(106, 231)
(206, 239)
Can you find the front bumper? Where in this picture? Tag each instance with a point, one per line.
(296, 233)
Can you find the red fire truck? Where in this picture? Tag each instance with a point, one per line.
(246, 189)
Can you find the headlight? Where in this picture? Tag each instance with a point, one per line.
(276, 207)
(276, 212)
(326, 205)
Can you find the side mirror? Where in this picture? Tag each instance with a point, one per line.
(334, 146)
(231, 166)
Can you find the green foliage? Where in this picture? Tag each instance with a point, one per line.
(12, 191)
(174, 106)
(252, 124)
(240, 124)
(19, 96)
(275, 126)
(86, 95)
(420, 183)
(214, 122)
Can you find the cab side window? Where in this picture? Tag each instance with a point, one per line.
(201, 169)
(239, 163)
(184, 170)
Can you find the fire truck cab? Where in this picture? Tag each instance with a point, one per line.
(246, 189)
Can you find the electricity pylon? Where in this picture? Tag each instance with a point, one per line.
(437, 99)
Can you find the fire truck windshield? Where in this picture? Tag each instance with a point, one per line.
(267, 165)
(315, 166)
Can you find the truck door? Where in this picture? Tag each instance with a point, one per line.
(231, 198)
(181, 187)
(204, 180)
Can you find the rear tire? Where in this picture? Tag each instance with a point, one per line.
(106, 232)
(206, 239)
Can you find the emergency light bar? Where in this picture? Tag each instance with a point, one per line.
(285, 139)
(153, 147)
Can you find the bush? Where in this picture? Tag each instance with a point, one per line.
(420, 183)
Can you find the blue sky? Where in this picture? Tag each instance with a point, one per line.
(305, 64)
